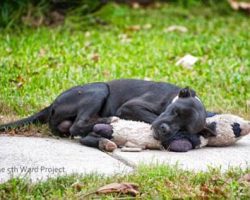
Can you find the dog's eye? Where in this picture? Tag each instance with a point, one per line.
(52, 112)
(184, 112)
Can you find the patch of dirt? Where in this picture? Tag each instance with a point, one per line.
(28, 131)
(5, 109)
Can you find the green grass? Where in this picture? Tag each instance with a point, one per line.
(155, 182)
(37, 64)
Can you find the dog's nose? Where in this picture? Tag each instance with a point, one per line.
(165, 129)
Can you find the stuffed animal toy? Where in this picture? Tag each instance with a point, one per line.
(133, 135)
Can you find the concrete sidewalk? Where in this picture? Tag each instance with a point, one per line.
(237, 155)
(40, 158)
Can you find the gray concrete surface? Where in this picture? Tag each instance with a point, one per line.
(40, 158)
(197, 160)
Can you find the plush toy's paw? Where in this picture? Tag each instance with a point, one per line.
(180, 145)
(107, 145)
(104, 130)
(114, 119)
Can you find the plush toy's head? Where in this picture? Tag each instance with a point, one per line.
(228, 128)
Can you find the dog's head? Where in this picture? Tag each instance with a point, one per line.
(185, 113)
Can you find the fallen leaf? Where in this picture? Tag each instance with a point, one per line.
(95, 57)
(242, 69)
(169, 184)
(8, 50)
(32, 20)
(55, 18)
(219, 191)
(124, 38)
(19, 81)
(123, 188)
(87, 44)
(159, 4)
(134, 28)
(12, 132)
(204, 188)
(147, 26)
(20, 84)
(135, 5)
(182, 29)
(87, 34)
(248, 103)
(240, 5)
(42, 52)
(106, 73)
(77, 186)
(245, 178)
(187, 61)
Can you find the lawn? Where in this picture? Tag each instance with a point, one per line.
(155, 182)
(36, 64)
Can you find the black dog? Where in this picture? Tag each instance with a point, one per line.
(167, 107)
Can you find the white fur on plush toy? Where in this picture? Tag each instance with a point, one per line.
(133, 134)
(139, 134)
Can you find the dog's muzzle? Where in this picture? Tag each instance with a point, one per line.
(161, 131)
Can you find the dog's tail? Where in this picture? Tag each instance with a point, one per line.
(41, 117)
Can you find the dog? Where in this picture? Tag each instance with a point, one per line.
(167, 107)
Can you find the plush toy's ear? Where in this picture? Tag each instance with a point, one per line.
(209, 130)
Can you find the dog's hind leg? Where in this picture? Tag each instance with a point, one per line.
(90, 106)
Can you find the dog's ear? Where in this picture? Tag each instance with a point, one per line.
(184, 92)
(209, 130)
